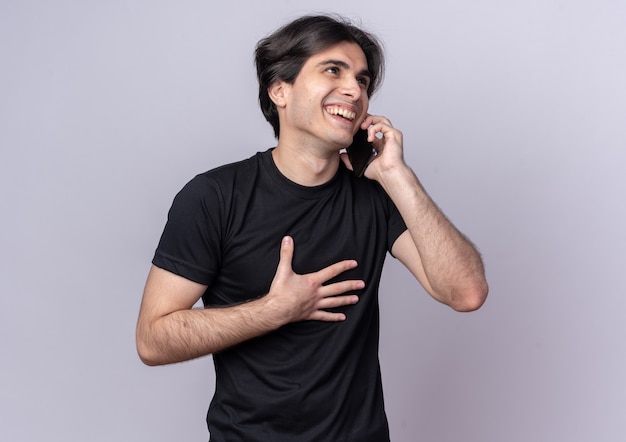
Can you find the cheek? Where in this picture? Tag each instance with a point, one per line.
(365, 106)
(302, 112)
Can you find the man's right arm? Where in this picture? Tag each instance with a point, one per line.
(169, 330)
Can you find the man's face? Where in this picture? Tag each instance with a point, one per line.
(325, 105)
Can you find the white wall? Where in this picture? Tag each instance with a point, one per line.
(514, 118)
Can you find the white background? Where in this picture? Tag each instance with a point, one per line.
(514, 118)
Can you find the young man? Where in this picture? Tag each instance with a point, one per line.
(286, 250)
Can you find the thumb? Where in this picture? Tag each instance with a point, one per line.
(346, 160)
(286, 254)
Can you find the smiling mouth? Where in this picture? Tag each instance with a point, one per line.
(344, 113)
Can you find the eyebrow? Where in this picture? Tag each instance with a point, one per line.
(342, 64)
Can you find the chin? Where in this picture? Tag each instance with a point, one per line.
(345, 141)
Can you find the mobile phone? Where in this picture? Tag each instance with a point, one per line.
(361, 152)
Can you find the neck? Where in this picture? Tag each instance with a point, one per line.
(305, 166)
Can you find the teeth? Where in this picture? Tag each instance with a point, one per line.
(342, 112)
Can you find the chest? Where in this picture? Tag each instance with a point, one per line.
(344, 224)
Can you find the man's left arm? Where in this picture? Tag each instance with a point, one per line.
(444, 261)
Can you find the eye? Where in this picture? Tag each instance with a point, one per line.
(332, 70)
(363, 81)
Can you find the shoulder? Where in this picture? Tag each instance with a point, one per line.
(231, 170)
(210, 196)
(224, 177)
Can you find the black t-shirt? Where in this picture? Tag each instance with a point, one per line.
(307, 381)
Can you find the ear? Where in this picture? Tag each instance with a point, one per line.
(277, 92)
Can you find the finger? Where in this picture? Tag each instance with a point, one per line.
(346, 160)
(373, 120)
(321, 315)
(378, 119)
(387, 133)
(336, 269)
(367, 122)
(337, 301)
(286, 254)
(380, 128)
(341, 287)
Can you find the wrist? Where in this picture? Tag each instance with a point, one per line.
(272, 310)
(400, 177)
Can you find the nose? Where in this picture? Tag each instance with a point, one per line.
(350, 87)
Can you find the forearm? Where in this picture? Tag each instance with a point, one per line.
(452, 265)
(190, 333)
(169, 330)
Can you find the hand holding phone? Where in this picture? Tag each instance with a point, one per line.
(361, 152)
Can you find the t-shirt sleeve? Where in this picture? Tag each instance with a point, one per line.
(190, 243)
(396, 225)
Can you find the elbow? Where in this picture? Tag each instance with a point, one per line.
(147, 355)
(470, 299)
(147, 351)
(147, 359)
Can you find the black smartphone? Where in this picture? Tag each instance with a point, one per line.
(361, 152)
